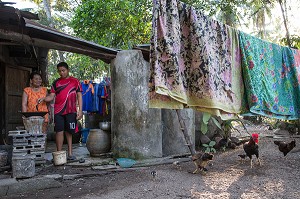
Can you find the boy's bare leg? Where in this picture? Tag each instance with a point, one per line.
(59, 140)
(69, 141)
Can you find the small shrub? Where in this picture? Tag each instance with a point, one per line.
(209, 148)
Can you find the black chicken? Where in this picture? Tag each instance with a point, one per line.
(251, 148)
(243, 157)
(284, 147)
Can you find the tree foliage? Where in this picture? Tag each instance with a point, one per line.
(118, 23)
(125, 23)
(294, 41)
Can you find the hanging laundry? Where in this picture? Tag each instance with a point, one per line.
(96, 102)
(87, 95)
(194, 61)
(271, 76)
(104, 94)
(101, 99)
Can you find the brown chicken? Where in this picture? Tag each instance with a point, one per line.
(284, 147)
(201, 160)
(251, 148)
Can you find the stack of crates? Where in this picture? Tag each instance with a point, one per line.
(25, 143)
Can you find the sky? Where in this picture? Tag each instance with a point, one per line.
(21, 3)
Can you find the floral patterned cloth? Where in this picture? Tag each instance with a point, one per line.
(195, 61)
(271, 76)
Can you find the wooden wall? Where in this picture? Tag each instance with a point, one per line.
(2, 102)
(13, 79)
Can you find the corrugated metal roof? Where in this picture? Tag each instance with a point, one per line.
(37, 26)
(15, 25)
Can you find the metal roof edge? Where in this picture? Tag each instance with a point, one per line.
(31, 24)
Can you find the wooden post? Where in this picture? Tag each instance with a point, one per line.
(185, 133)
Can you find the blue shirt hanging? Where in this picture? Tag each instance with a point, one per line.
(87, 95)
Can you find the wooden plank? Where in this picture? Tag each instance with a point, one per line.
(16, 79)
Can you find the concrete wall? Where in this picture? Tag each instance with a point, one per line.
(173, 138)
(136, 129)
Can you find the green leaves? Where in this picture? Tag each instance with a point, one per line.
(118, 23)
(210, 144)
(216, 122)
(210, 147)
(205, 119)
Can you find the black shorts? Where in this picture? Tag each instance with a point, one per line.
(66, 122)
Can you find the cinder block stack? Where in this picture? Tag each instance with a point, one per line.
(26, 143)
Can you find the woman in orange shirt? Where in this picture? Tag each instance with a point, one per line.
(32, 94)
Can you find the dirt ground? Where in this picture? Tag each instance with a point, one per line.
(227, 177)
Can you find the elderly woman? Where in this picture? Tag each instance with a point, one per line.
(32, 94)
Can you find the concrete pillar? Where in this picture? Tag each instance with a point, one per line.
(136, 129)
(173, 139)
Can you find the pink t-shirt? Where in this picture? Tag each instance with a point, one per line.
(66, 94)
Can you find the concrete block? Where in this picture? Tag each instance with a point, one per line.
(17, 132)
(3, 190)
(28, 148)
(7, 181)
(23, 166)
(32, 185)
(28, 138)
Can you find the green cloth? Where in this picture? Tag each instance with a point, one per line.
(270, 77)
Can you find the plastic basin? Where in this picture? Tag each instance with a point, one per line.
(126, 162)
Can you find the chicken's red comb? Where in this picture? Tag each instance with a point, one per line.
(255, 135)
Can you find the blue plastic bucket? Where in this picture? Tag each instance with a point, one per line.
(84, 135)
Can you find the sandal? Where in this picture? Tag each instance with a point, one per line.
(71, 157)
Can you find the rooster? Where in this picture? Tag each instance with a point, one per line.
(243, 157)
(285, 148)
(201, 160)
(251, 148)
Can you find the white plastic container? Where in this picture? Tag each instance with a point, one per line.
(59, 157)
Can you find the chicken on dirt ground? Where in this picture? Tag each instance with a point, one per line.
(251, 148)
(201, 160)
(284, 147)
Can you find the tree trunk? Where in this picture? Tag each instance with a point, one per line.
(48, 12)
(49, 17)
(285, 23)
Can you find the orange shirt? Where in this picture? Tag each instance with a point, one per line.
(32, 99)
